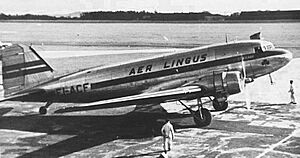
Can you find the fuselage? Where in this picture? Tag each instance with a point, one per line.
(164, 72)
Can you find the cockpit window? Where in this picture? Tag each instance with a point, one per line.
(270, 46)
(258, 50)
(263, 47)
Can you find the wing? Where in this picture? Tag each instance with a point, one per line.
(144, 98)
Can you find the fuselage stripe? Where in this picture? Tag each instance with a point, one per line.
(25, 72)
(182, 69)
(23, 65)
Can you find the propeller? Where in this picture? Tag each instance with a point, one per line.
(271, 80)
(246, 92)
(266, 63)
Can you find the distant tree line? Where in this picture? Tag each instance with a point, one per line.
(155, 16)
(31, 17)
(132, 15)
(266, 15)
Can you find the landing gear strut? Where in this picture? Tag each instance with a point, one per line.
(43, 109)
(202, 116)
(219, 105)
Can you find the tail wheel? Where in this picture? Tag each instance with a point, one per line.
(43, 110)
(220, 106)
(203, 119)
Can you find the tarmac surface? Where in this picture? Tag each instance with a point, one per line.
(267, 130)
(271, 128)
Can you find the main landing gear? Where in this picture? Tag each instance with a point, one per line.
(202, 116)
(43, 109)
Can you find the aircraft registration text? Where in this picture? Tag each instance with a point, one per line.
(73, 89)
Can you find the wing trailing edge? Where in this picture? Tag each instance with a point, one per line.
(144, 98)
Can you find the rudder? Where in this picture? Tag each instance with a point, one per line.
(22, 68)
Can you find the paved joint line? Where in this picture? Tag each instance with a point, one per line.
(272, 147)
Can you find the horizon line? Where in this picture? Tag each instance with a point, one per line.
(211, 12)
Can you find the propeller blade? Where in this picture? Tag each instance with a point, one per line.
(271, 80)
(243, 68)
(247, 99)
(246, 92)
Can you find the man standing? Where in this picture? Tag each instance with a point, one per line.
(167, 132)
(292, 93)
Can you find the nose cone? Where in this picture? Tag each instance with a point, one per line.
(286, 54)
(281, 53)
(279, 58)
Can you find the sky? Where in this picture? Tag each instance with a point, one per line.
(51, 7)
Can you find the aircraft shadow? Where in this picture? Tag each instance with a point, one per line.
(89, 131)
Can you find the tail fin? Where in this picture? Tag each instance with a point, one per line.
(22, 68)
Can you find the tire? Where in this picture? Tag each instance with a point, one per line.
(43, 110)
(220, 106)
(205, 120)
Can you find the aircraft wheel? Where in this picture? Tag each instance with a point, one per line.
(205, 120)
(220, 106)
(43, 110)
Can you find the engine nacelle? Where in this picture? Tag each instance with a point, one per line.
(222, 83)
(234, 83)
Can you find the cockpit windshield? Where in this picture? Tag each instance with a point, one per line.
(268, 47)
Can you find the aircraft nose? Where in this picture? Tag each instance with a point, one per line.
(286, 54)
(281, 58)
(283, 54)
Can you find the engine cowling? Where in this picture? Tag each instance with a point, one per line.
(234, 83)
(222, 83)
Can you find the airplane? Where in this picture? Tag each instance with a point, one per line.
(216, 70)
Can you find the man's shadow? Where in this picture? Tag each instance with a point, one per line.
(89, 131)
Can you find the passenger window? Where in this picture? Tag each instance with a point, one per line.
(258, 50)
